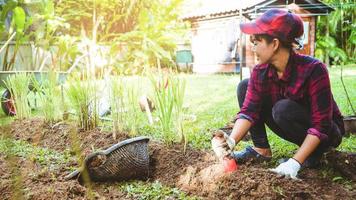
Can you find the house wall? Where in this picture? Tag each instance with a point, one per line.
(213, 42)
(211, 38)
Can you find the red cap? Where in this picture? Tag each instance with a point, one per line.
(278, 23)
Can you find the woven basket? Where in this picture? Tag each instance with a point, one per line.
(125, 160)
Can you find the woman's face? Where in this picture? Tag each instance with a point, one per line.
(264, 50)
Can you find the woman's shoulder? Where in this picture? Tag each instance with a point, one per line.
(306, 60)
(308, 65)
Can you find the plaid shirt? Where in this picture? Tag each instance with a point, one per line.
(305, 81)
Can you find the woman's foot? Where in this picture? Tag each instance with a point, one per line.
(250, 154)
(266, 152)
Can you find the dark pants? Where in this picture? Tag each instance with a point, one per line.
(288, 119)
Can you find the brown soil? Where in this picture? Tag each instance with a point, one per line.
(195, 172)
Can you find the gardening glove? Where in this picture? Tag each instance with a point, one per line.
(222, 144)
(288, 169)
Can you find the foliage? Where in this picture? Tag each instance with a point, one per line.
(49, 95)
(116, 96)
(120, 16)
(13, 20)
(336, 33)
(84, 100)
(151, 27)
(50, 42)
(153, 40)
(153, 191)
(178, 90)
(168, 98)
(18, 85)
(43, 156)
(134, 112)
(36, 21)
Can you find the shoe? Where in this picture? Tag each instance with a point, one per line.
(249, 154)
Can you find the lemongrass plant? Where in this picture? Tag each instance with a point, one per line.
(83, 99)
(18, 85)
(133, 108)
(164, 102)
(178, 86)
(116, 96)
(49, 93)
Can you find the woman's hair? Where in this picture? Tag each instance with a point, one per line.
(269, 39)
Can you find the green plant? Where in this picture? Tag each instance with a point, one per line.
(18, 85)
(336, 35)
(134, 112)
(169, 93)
(49, 93)
(83, 99)
(13, 19)
(153, 191)
(164, 102)
(120, 15)
(116, 96)
(153, 40)
(49, 44)
(178, 90)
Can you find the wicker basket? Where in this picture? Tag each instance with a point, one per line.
(125, 160)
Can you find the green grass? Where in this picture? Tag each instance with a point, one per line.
(153, 191)
(349, 77)
(43, 156)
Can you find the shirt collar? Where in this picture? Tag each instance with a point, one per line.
(272, 72)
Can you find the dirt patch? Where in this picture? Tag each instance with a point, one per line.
(42, 183)
(197, 173)
(193, 171)
(345, 163)
(57, 136)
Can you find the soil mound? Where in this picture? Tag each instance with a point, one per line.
(193, 171)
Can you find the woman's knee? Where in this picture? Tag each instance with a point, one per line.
(280, 110)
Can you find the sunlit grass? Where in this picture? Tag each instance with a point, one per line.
(143, 190)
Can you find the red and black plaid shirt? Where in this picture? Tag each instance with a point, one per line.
(305, 80)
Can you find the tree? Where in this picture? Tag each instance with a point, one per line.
(337, 33)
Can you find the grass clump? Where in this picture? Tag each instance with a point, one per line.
(153, 191)
(83, 99)
(49, 93)
(169, 93)
(18, 85)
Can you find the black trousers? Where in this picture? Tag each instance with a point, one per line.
(288, 119)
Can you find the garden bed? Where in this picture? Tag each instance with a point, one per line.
(194, 172)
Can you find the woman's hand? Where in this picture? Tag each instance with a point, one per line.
(222, 144)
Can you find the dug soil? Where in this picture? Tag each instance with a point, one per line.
(194, 171)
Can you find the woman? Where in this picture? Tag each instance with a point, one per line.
(288, 92)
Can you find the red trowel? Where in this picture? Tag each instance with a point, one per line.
(229, 164)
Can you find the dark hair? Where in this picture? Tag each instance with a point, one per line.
(269, 39)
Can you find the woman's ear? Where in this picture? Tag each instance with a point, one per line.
(276, 43)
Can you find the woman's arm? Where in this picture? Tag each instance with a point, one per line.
(240, 129)
(309, 145)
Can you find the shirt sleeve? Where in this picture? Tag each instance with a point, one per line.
(321, 105)
(252, 103)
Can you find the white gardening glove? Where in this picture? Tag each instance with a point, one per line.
(288, 169)
(222, 144)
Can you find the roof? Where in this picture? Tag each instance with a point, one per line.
(224, 8)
